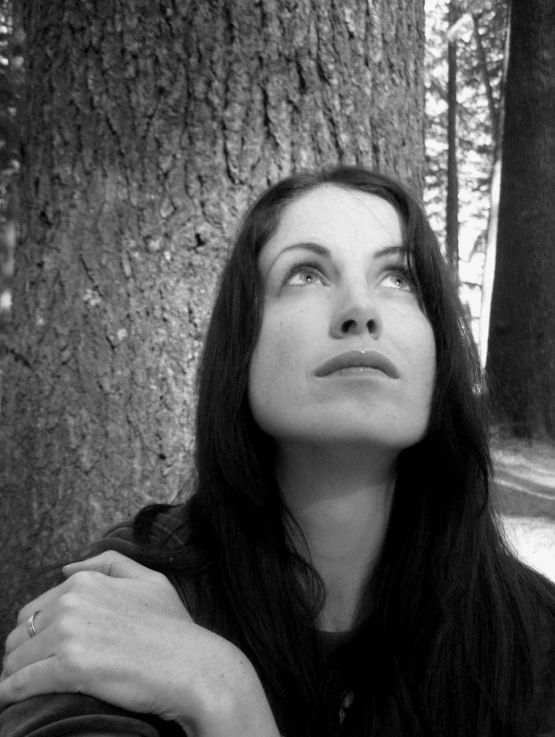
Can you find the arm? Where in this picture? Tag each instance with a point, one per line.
(118, 631)
(74, 715)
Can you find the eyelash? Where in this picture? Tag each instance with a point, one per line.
(404, 273)
(304, 267)
(311, 268)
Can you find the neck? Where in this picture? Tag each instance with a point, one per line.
(341, 500)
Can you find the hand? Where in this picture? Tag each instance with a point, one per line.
(118, 631)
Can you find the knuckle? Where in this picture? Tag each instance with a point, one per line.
(82, 580)
(23, 614)
(67, 626)
(72, 656)
(68, 603)
(10, 642)
(8, 665)
(106, 559)
(112, 555)
(20, 684)
(63, 628)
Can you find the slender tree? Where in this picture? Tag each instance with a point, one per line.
(479, 32)
(497, 116)
(521, 356)
(148, 128)
(452, 211)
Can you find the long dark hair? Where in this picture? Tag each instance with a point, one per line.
(446, 642)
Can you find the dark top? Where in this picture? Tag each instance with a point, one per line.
(76, 715)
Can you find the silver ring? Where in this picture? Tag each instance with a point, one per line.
(31, 624)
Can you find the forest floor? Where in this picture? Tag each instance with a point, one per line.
(525, 479)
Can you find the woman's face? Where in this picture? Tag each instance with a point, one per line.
(345, 354)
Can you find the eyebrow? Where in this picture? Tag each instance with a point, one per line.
(323, 251)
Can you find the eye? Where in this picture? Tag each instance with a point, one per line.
(303, 275)
(398, 278)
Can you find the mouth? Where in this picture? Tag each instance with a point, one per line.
(358, 362)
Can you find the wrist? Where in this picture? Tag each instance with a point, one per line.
(231, 702)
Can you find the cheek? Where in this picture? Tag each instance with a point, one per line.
(282, 343)
(270, 364)
(273, 347)
(421, 352)
(278, 369)
(427, 363)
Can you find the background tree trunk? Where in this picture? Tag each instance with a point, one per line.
(149, 126)
(521, 354)
(452, 204)
(497, 117)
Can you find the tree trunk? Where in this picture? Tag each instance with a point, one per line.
(521, 356)
(497, 123)
(149, 127)
(486, 77)
(452, 213)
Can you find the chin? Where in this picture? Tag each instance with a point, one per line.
(391, 439)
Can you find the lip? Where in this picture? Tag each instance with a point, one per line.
(358, 360)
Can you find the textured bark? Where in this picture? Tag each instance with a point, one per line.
(149, 127)
(521, 355)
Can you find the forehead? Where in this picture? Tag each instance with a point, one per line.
(337, 218)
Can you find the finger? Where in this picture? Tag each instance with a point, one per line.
(114, 564)
(17, 637)
(30, 650)
(40, 603)
(37, 678)
(20, 634)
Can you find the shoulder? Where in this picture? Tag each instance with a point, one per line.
(160, 525)
(158, 537)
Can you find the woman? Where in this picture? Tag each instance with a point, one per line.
(338, 569)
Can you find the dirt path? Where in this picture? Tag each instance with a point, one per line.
(525, 477)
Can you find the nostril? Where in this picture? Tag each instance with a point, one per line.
(348, 325)
(371, 325)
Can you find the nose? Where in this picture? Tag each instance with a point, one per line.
(356, 314)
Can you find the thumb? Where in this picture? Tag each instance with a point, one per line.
(111, 563)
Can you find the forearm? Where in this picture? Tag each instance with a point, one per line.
(158, 662)
(231, 705)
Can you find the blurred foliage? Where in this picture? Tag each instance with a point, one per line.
(11, 86)
(475, 127)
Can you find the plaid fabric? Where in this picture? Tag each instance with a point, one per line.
(168, 528)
